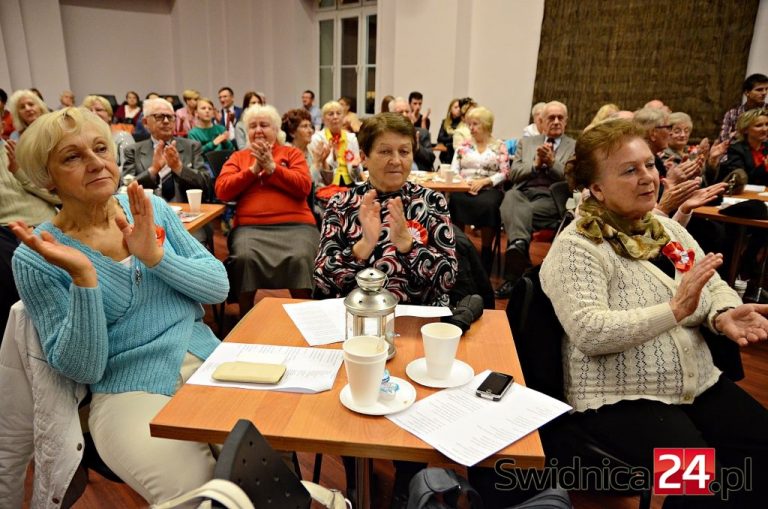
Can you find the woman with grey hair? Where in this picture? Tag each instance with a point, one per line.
(114, 286)
(274, 237)
(25, 107)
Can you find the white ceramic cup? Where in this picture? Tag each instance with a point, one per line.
(447, 174)
(440, 343)
(195, 198)
(148, 193)
(364, 360)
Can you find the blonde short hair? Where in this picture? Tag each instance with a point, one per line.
(190, 94)
(205, 100)
(39, 140)
(91, 99)
(483, 115)
(331, 105)
(258, 110)
(13, 107)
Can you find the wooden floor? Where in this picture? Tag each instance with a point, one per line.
(102, 493)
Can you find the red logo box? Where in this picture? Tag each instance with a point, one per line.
(683, 471)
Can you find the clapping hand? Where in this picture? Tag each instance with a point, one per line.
(744, 324)
(10, 149)
(702, 196)
(399, 233)
(676, 194)
(262, 151)
(140, 237)
(686, 170)
(688, 293)
(172, 157)
(72, 260)
(545, 155)
(158, 158)
(370, 222)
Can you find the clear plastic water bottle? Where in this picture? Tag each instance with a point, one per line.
(740, 286)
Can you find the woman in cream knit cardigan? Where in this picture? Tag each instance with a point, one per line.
(631, 290)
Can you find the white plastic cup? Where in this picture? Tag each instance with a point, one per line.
(149, 192)
(195, 198)
(440, 343)
(364, 360)
(447, 174)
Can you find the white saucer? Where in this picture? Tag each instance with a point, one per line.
(461, 373)
(404, 398)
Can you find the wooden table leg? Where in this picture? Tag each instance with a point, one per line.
(363, 468)
(738, 247)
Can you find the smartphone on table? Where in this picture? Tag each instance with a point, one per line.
(495, 386)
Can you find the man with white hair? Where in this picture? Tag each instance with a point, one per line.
(423, 157)
(538, 163)
(170, 165)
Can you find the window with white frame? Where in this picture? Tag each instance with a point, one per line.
(347, 42)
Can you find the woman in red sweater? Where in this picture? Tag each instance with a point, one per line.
(275, 238)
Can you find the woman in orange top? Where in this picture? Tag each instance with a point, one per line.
(275, 236)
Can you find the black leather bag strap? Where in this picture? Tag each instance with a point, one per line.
(439, 481)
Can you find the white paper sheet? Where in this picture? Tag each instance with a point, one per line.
(754, 188)
(468, 429)
(322, 322)
(309, 370)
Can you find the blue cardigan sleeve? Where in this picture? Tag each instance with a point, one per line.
(188, 267)
(69, 319)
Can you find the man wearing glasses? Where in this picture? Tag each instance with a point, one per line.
(170, 165)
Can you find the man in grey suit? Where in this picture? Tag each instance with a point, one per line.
(539, 162)
(167, 164)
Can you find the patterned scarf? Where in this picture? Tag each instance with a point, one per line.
(641, 239)
(341, 175)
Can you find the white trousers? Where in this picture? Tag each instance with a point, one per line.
(156, 468)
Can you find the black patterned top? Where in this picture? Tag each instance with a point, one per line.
(424, 275)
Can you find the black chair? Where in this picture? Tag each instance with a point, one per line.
(249, 461)
(538, 337)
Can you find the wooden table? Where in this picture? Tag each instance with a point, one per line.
(713, 213)
(210, 212)
(318, 422)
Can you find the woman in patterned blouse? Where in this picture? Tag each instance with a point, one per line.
(484, 161)
(389, 223)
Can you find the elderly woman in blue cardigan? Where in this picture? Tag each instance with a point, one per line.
(114, 286)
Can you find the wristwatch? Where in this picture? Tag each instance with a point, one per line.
(719, 312)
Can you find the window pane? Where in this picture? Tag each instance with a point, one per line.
(349, 41)
(350, 2)
(371, 40)
(326, 42)
(324, 4)
(326, 85)
(349, 85)
(370, 90)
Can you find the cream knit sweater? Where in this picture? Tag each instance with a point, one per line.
(621, 339)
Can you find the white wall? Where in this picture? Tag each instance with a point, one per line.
(455, 48)
(444, 48)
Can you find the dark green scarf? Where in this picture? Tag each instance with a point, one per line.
(640, 239)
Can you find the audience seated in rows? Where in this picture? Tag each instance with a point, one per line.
(415, 101)
(132, 340)
(128, 112)
(101, 107)
(538, 163)
(308, 103)
(484, 161)
(275, 237)
(185, 117)
(25, 106)
(755, 91)
(210, 136)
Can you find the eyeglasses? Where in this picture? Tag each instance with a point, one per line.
(163, 117)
